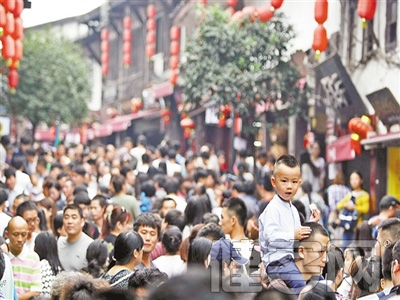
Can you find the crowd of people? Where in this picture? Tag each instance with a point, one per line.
(145, 222)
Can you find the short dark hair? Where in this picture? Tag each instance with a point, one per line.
(148, 220)
(238, 207)
(118, 182)
(287, 160)
(17, 162)
(73, 207)
(211, 231)
(9, 172)
(3, 196)
(210, 218)
(172, 239)
(334, 263)
(147, 277)
(391, 226)
(82, 198)
(387, 259)
(175, 217)
(26, 206)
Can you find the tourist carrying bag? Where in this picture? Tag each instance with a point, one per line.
(348, 218)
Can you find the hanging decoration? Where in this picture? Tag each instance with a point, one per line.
(105, 49)
(12, 35)
(151, 26)
(166, 114)
(188, 126)
(366, 10)
(320, 40)
(174, 49)
(127, 42)
(359, 128)
(136, 105)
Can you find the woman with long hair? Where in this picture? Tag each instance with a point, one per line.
(118, 221)
(199, 253)
(97, 258)
(128, 254)
(50, 265)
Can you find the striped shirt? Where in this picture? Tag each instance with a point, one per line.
(26, 269)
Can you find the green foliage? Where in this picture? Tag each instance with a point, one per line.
(241, 63)
(53, 81)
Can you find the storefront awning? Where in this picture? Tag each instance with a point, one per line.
(340, 150)
(392, 138)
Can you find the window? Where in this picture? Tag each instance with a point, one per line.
(391, 25)
(368, 41)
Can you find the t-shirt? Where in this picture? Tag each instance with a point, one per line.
(26, 269)
(73, 255)
(172, 265)
(129, 202)
(7, 281)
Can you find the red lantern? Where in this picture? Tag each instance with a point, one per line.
(204, 2)
(175, 33)
(320, 42)
(356, 125)
(237, 125)
(225, 109)
(173, 77)
(8, 51)
(9, 5)
(13, 79)
(19, 7)
(174, 48)
(126, 59)
(18, 50)
(221, 121)
(151, 11)
(2, 16)
(321, 11)
(14, 64)
(166, 114)
(237, 16)
(150, 50)
(187, 124)
(127, 23)
(104, 35)
(248, 11)
(265, 13)
(127, 35)
(231, 3)
(127, 47)
(276, 3)
(18, 29)
(105, 58)
(105, 46)
(151, 24)
(366, 9)
(150, 37)
(10, 25)
(173, 62)
(136, 104)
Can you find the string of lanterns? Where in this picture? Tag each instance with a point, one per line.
(151, 26)
(12, 35)
(127, 41)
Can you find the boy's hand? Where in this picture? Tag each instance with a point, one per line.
(302, 232)
(315, 214)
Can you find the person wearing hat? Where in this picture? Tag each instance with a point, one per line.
(230, 266)
(387, 209)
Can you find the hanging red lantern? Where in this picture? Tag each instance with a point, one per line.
(321, 11)
(174, 48)
(225, 109)
(127, 23)
(105, 48)
(127, 59)
(320, 42)
(104, 69)
(150, 37)
(14, 64)
(204, 2)
(173, 77)
(136, 104)
(127, 35)
(126, 47)
(231, 3)
(18, 29)
(187, 124)
(10, 25)
(366, 9)
(237, 16)
(221, 121)
(166, 114)
(248, 12)
(175, 33)
(151, 24)
(2, 16)
(18, 50)
(9, 5)
(8, 51)
(237, 125)
(173, 62)
(358, 126)
(276, 3)
(150, 50)
(151, 11)
(104, 35)
(13, 79)
(265, 13)
(19, 7)
(105, 58)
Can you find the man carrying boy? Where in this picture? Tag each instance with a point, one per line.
(280, 224)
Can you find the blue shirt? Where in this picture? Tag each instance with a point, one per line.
(277, 225)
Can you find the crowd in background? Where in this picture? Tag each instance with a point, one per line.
(146, 222)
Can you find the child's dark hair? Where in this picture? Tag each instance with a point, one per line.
(287, 160)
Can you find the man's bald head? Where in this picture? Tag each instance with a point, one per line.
(17, 233)
(17, 223)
